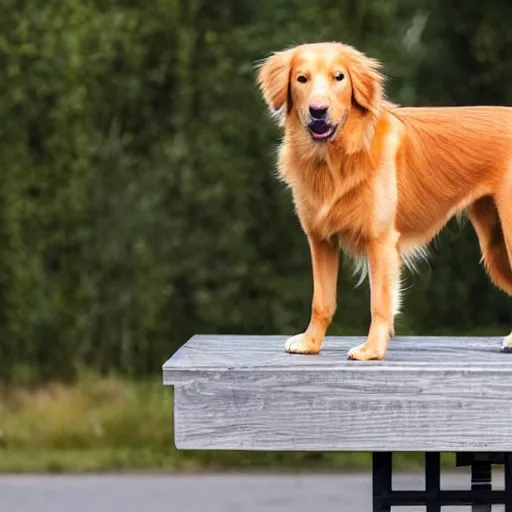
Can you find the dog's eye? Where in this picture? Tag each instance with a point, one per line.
(339, 76)
(302, 79)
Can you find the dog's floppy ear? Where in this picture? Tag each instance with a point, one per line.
(273, 77)
(367, 81)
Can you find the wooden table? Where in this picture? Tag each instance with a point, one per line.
(429, 395)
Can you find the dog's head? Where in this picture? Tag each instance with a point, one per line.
(320, 85)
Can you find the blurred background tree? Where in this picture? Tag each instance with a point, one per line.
(138, 199)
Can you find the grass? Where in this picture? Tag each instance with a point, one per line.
(110, 424)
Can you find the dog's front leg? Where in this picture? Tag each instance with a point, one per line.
(325, 262)
(384, 272)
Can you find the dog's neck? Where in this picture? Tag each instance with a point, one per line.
(357, 133)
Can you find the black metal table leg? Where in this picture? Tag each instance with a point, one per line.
(508, 482)
(382, 481)
(480, 497)
(433, 481)
(481, 475)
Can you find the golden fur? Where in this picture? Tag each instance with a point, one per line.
(386, 182)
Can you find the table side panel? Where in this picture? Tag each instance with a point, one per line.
(360, 410)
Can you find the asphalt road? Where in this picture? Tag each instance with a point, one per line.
(202, 493)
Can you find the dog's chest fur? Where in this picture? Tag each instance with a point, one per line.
(349, 199)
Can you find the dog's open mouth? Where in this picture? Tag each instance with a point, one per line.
(320, 130)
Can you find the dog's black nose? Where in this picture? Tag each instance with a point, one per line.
(318, 112)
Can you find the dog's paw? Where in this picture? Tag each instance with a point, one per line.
(301, 344)
(507, 344)
(365, 352)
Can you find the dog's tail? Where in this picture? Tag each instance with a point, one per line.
(485, 218)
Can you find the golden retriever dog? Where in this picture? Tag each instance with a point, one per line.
(380, 181)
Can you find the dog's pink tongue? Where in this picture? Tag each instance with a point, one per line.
(324, 135)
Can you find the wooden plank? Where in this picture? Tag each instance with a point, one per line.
(204, 353)
(441, 394)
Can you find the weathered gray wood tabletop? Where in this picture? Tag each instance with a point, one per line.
(429, 394)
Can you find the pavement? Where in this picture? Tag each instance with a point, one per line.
(206, 492)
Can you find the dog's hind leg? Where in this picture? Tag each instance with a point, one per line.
(484, 216)
(504, 203)
(493, 226)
